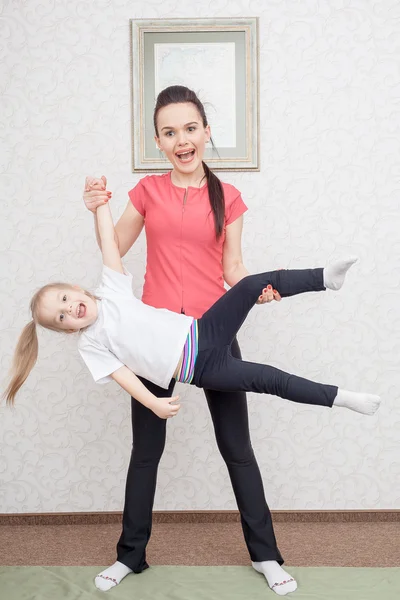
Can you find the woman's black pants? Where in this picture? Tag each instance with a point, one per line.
(230, 419)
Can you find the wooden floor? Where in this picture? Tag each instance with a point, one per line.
(301, 544)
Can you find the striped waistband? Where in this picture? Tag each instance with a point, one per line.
(190, 352)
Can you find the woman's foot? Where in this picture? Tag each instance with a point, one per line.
(111, 577)
(278, 580)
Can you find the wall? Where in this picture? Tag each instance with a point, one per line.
(328, 187)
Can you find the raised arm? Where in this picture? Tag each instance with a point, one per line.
(130, 224)
(108, 244)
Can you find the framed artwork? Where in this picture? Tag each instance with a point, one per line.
(218, 60)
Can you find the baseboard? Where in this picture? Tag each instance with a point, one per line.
(202, 516)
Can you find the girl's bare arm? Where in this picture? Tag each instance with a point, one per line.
(130, 224)
(108, 244)
(162, 407)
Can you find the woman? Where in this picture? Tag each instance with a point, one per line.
(193, 225)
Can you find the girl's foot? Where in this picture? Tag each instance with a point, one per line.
(335, 273)
(367, 404)
(278, 580)
(111, 577)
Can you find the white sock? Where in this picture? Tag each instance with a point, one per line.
(111, 577)
(367, 404)
(335, 273)
(278, 580)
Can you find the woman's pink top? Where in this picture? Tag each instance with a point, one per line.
(184, 259)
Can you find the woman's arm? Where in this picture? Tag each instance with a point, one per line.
(127, 229)
(129, 226)
(132, 384)
(232, 261)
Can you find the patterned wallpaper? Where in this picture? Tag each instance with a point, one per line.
(328, 187)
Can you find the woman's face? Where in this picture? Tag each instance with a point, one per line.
(182, 136)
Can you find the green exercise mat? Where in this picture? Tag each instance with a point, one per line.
(198, 583)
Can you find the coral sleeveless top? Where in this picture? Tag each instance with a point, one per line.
(184, 259)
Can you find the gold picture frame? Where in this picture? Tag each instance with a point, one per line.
(218, 59)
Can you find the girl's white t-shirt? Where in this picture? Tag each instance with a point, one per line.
(148, 340)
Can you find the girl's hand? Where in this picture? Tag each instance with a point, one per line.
(164, 408)
(95, 193)
(268, 295)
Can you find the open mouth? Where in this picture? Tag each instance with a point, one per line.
(81, 311)
(186, 156)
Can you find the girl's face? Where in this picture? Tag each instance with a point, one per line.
(182, 137)
(68, 309)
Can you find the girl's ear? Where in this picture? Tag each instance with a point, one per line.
(208, 133)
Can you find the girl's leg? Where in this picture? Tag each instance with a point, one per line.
(230, 419)
(148, 444)
(221, 371)
(223, 320)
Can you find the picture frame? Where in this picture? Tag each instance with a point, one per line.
(216, 58)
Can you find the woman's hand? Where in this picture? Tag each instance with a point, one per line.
(164, 408)
(268, 295)
(95, 193)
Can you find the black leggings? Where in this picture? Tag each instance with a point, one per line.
(216, 368)
(231, 425)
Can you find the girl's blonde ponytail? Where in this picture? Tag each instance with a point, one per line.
(25, 356)
(27, 349)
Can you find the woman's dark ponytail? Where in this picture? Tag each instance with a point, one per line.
(217, 200)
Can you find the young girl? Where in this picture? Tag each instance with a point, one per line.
(123, 338)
